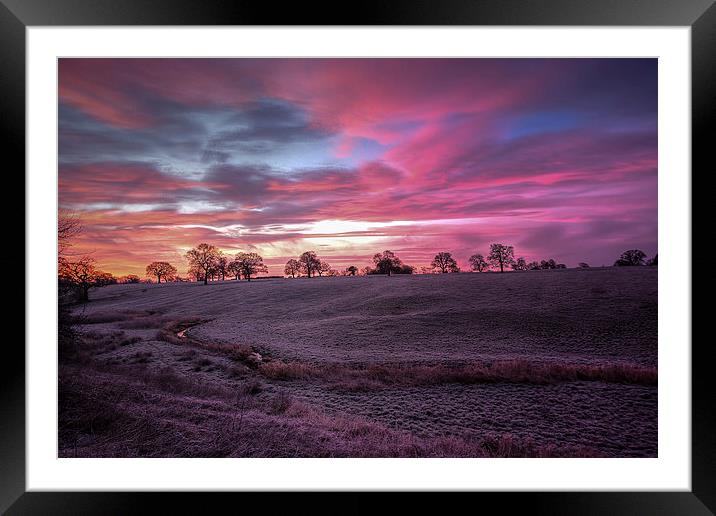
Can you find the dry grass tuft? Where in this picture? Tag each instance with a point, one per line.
(378, 376)
(278, 370)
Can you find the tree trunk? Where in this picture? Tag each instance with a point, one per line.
(159, 278)
(501, 267)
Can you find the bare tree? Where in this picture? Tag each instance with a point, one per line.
(478, 263)
(250, 264)
(653, 261)
(68, 227)
(444, 262)
(161, 270)
(102, 279)
(533, 266)
(323, 268)
(202, 259)
(352, 270)
(83, 275)
(501, 255)
(583, 265)
(222, 266)
(196, 272)
(548, 264)
(387, 263)
(309, 263)
(234, 268)
(520, 264)
(631, 257)
(292, 268)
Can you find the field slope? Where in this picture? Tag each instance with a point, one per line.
(556, 362)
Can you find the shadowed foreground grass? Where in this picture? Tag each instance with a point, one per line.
(106, 414)
(134, 411)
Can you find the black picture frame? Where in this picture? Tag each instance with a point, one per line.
(17, 15)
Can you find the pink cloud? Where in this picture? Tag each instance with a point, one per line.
(555, 156)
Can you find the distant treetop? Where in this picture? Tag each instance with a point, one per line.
(632, 257)
(501, 255)
(444, 263)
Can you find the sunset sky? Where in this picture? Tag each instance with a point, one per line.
(349, 157)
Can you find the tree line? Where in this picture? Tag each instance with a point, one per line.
(208, 263)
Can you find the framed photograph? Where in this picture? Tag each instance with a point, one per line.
(416, 250)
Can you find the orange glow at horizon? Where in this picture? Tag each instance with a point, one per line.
(350, 157)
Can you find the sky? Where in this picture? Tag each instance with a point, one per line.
(350, 157)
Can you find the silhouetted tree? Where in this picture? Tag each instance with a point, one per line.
(444, 262)
(130, 278)
(478, 263)
(292, 268)
(323, 268)
(102, 279)
(212, 271)
(222, 266)
(406, 269)
(234, 269)
(653, 261)
(196, 272)
(386, 263)
(548, 264)
(583, 265)
(202, 259)
(631, 257)
(352, 270)
(68, 227)
(250, 264)
(533, 266)
(501, 255)
(520, 264)
(161, 270)
(82, 275)
(309, 263)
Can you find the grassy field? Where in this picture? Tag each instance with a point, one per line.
(539, 363)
